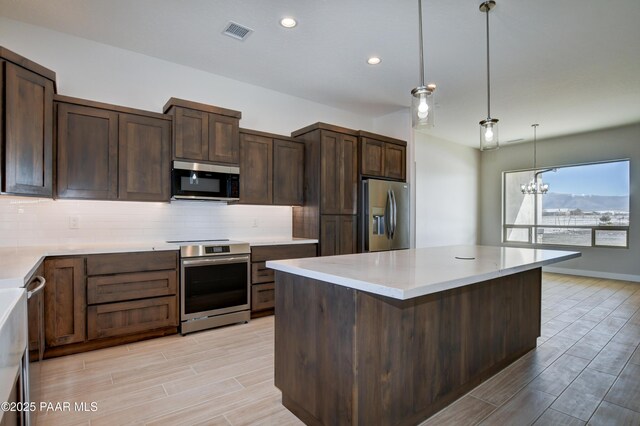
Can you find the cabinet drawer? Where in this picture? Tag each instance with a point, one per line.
(263, 296)
(260, 273)
(291, 251)
(116, 288)
(117, 319)
(122, 263)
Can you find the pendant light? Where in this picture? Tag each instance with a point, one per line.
(536, 186)
(488, 126)
(422, 96)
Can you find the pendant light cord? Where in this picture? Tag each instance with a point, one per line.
(535, 152)
(421, 43)
(488, 71)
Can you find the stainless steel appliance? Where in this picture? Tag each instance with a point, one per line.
(35, 344)
(385, 215)
(199, 181)
(214, 284)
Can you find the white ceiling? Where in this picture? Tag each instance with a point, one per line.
(571, 65)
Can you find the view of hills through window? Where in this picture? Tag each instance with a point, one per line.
(587, 205)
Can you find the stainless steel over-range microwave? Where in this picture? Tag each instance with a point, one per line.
(199, 181)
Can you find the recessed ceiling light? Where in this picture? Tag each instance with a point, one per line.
(374, 60)
(288, 22)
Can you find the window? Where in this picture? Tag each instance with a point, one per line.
(587, 205)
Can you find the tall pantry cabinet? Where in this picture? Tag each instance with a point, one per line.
(330, 188)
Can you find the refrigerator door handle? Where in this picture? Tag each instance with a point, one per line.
(388, 215)
(394, 214)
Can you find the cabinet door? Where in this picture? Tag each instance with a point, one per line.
(338, 234)
(330, 173)
(395, 161)
(65, 301)
(87, 147)
(224, 139)
(372, 162)
(192, 135)
(144, 158)
(348, 166)
(256, 169)
(348, 233)
(329, 235)
(28, 133)
(288, 173)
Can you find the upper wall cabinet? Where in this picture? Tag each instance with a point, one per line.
(204, 133)
(271, 169)
(382, 156)
(26, 115)
(107, 152)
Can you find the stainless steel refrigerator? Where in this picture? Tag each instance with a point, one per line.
(385, 215)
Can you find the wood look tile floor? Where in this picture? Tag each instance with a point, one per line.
(586, 369)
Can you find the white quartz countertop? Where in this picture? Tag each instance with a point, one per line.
(18, 264)
(405, 274)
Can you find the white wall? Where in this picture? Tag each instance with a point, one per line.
(447, 191)
(608, 144)
(90, 70)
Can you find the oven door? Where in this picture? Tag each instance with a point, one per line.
(213, 286)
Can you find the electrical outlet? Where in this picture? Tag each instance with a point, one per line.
(74, 222)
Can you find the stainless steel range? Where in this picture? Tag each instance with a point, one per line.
(214, 284)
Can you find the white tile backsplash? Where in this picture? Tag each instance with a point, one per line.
(34, 222)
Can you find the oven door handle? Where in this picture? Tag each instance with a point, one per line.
(213, 261)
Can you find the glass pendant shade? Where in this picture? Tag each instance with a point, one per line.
(422, 107)
(489, 134)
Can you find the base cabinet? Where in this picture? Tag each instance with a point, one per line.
(102, 300)
(262, 278)
(338, 234)
(65, 301)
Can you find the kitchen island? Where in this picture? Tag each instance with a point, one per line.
(393, 337)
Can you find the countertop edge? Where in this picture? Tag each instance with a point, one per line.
(417, 292)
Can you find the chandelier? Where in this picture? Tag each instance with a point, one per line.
(535, 186)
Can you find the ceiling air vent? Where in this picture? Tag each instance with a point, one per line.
(237, 31)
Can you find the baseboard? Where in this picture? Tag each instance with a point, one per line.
(594, 274)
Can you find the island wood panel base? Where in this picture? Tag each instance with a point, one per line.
(344, 356)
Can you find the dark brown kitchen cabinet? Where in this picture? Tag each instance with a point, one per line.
(338, 234)
(65, 301)
(339, 173)
(102, 300)
(204, 133)
(262, 278)
(26, 137)
(271, 169)
(330, 188)
(382, 156)
(256, 169)
(144, 168)
(191, 139)
(110, 152)
(288, 172)
(87, 165)
(131, 293)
